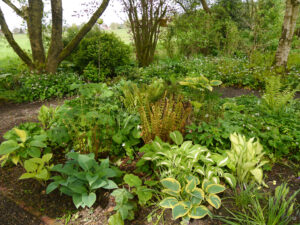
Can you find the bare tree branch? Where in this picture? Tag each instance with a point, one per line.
(15, 8)
(83, 31)
(10, 38)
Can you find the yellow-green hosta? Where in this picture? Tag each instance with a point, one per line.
(187, 202)
(246, 159)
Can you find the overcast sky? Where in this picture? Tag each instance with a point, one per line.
(113, 13)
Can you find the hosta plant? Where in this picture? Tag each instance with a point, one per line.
(38, 168)
(22, 144)
(246, 159)
(81, 176)
(185, 158)
(189, 199)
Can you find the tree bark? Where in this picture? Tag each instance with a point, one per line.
(205, 6)
(56, 43)
(288, 28)
(33, 15)
(10, 38)
(35, 32)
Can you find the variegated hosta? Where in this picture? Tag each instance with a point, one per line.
(246, 159)
(185, 158)
(190, 200)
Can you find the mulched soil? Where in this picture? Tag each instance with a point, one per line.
(25, 202)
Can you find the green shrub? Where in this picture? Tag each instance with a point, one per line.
(100, 49)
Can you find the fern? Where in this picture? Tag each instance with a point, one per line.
(276, 98)
(164, 116)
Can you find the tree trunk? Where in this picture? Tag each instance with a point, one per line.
(33, 15)
(205, 6)
(56, 44)
(288, 28)
(35, 30)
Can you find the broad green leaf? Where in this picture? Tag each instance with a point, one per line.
(132, 180)
(35, 152)
(168, 202)
(191, 186)
(89, 200)
(198, 212)
(196, 179)
(176, 136)
(110, 185)
(198, 193)
(15, 159)
(230, 179)
(186, 145)
(26, 176)
(214, 201)
(215, 82)
(258, 175)
(51, 187)
(85, 161)
(118, 138)
(43, 174)
(116, 219)
(77, 200)
(171, 184)
(30, 166)
(215, 188)
(179, 210)
(91, 179)
(8, 147)
(169, 192)
(21, 134)
(98, 184)
(205, 183)
(47, 157)
(38, 144)
(144, 194)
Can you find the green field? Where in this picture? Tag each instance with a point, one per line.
(7, 54)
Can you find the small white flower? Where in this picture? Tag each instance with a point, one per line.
(123, 145)
(268, 128)
(206, 115)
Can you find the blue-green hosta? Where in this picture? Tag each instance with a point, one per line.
(246, 159)
(188, 201)
(185, 158)
(81, 176)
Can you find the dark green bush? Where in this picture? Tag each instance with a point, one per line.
(99, 49)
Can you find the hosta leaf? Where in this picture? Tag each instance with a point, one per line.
(26, 176)
(198, 212)
(144, 194)
(215, 82)
(77, 200)
(171, 184)
(205, 183)
(186, 145)
(196, 179)
(38, 144)
(179, 210)
(176, 136)
(258, 175)
(51, 187)
(47, 157)
(198, 193)
(215, 188)
(21, 134)
(132, 180)
(223, 161)
(30, 166)
(230, 179)
(214, 201)
(89, 200)
(169, 192)
(191, 185)
(116, 219)
(169, 202)
(34, 152)
(43, 174)
(8, 147)
(110, 185)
